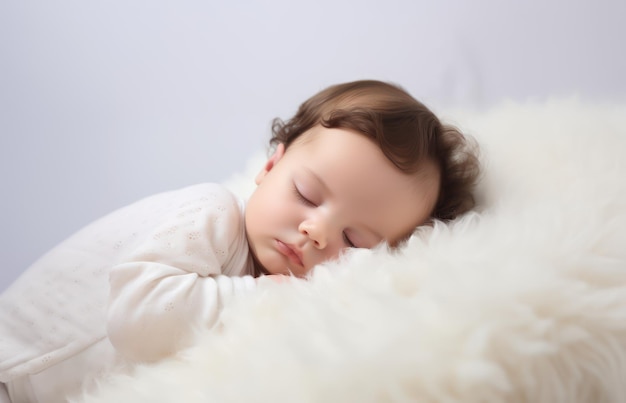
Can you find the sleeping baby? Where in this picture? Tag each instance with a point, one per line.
(360, 164)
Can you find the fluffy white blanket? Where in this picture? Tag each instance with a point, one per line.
(522, 301)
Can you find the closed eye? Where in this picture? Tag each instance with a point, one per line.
(302, 198)
(347, 241)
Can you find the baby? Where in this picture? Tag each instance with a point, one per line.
(360, 164)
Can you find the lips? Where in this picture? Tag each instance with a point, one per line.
(289, 251)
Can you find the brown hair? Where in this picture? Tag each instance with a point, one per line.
(406, 131)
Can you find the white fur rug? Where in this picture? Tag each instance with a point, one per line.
(524, 301)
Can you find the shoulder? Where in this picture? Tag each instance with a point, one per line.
(210, 197)
(206, 197)
(196, 229)
(212, 204)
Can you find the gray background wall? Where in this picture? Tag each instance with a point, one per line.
(102, 103)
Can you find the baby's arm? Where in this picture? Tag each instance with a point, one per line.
(173, 284)
(154, 308)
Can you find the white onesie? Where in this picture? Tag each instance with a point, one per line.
(130, 287)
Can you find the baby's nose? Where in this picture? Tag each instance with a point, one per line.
(316, 231)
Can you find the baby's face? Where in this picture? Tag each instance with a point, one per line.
(332, 189)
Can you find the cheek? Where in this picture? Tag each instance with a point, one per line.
(267, 208)
(274, 206)
(281, 213)
(256, 212)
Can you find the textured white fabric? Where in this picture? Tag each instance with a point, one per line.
(524, 301)
(168, 261)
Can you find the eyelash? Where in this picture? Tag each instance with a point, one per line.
(301, 197)
(308, 202)
(348, 241)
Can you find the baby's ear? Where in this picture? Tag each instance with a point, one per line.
(271, 162)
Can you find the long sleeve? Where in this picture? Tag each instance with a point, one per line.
(179, 278)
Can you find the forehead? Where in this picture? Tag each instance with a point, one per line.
(362, 183)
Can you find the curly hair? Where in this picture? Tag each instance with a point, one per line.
(406, 131)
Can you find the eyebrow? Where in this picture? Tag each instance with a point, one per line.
(328, 190)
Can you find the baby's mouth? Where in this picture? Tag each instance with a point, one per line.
(292, 253)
